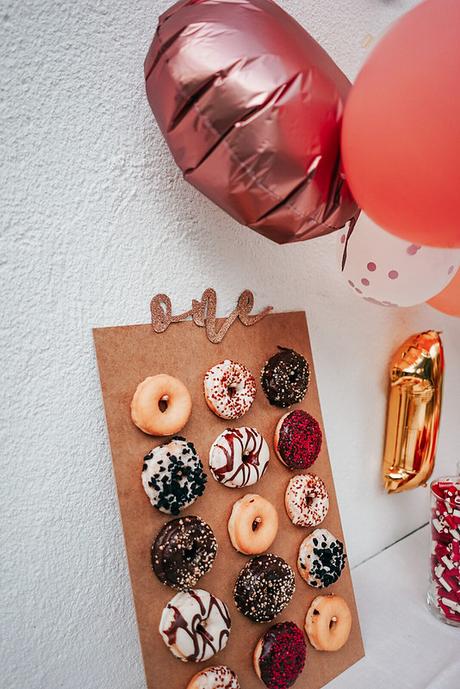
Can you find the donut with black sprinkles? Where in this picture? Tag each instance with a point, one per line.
(321, 558)
(285, 378)
(183, 551)
(264, 587)
(280, 655)
(173, 476)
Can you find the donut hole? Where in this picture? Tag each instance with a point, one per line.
(231, 391)
(201, 627)
(190, 554)
(163, 404)
(332, 622)
(256, 523)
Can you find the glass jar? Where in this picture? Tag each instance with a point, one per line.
(444, 591)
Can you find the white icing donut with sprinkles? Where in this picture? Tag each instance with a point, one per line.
(306, 500)
(239, 457)
(219, 677)
(195, 625)
(229, 389)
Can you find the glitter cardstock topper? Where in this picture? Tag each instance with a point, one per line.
(203, 314)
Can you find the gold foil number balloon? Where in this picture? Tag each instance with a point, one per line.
(414, 409)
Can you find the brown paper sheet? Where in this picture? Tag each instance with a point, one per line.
(126, 355)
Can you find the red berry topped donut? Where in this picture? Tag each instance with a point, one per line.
(298, 439)
(279, 656)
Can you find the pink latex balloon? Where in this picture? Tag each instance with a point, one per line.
(251, 108)
(448, 301)
(401, 129)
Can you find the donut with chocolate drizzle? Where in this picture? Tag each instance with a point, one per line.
(195, 625)
(239, 457)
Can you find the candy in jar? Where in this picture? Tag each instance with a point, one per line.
(444, 591)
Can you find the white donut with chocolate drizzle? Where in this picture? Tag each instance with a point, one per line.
(239, 457)
(195, 625)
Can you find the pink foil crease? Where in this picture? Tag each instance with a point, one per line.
(251, 108)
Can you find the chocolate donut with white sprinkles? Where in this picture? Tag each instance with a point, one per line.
(285, 378)
(173, 476)
(183, 551)
(264, 587)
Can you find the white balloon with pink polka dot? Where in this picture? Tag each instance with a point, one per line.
(388, 271)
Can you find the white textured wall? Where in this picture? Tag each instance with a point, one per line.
(97, 220)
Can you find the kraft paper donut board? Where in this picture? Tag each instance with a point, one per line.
(127, 355)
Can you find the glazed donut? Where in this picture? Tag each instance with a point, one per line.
(229, 389)
(220, 677)
(146, 412)
(298, 439)
(321, 558)
(239, 457)
(173, 476)
(328, 623)
(279, 656)
(264, 587)
(253, 524)
(183, 551)
(195, 625)
(285, 378)
(306, 500)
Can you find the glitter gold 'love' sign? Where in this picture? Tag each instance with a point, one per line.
(203, 314)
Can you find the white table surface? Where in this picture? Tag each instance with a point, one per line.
(406, 646)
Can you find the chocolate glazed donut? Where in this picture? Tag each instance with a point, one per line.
(285, 378)
(264, 587)
(183, 551)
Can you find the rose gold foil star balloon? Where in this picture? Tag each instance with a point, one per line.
(251, 108)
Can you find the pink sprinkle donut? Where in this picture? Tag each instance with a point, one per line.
(229, 389)
(306, 500)
(298, 439)
(279, 656)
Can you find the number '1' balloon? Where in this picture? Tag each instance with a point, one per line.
(401, 128)
(251, 109)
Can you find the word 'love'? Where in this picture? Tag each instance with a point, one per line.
(203, 314)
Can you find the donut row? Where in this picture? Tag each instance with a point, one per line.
(185, 548)
(173, 476)
(195, 625)
(162, 404)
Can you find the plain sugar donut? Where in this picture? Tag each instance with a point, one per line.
(145, 406)
(253, 524)
(328, 623)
